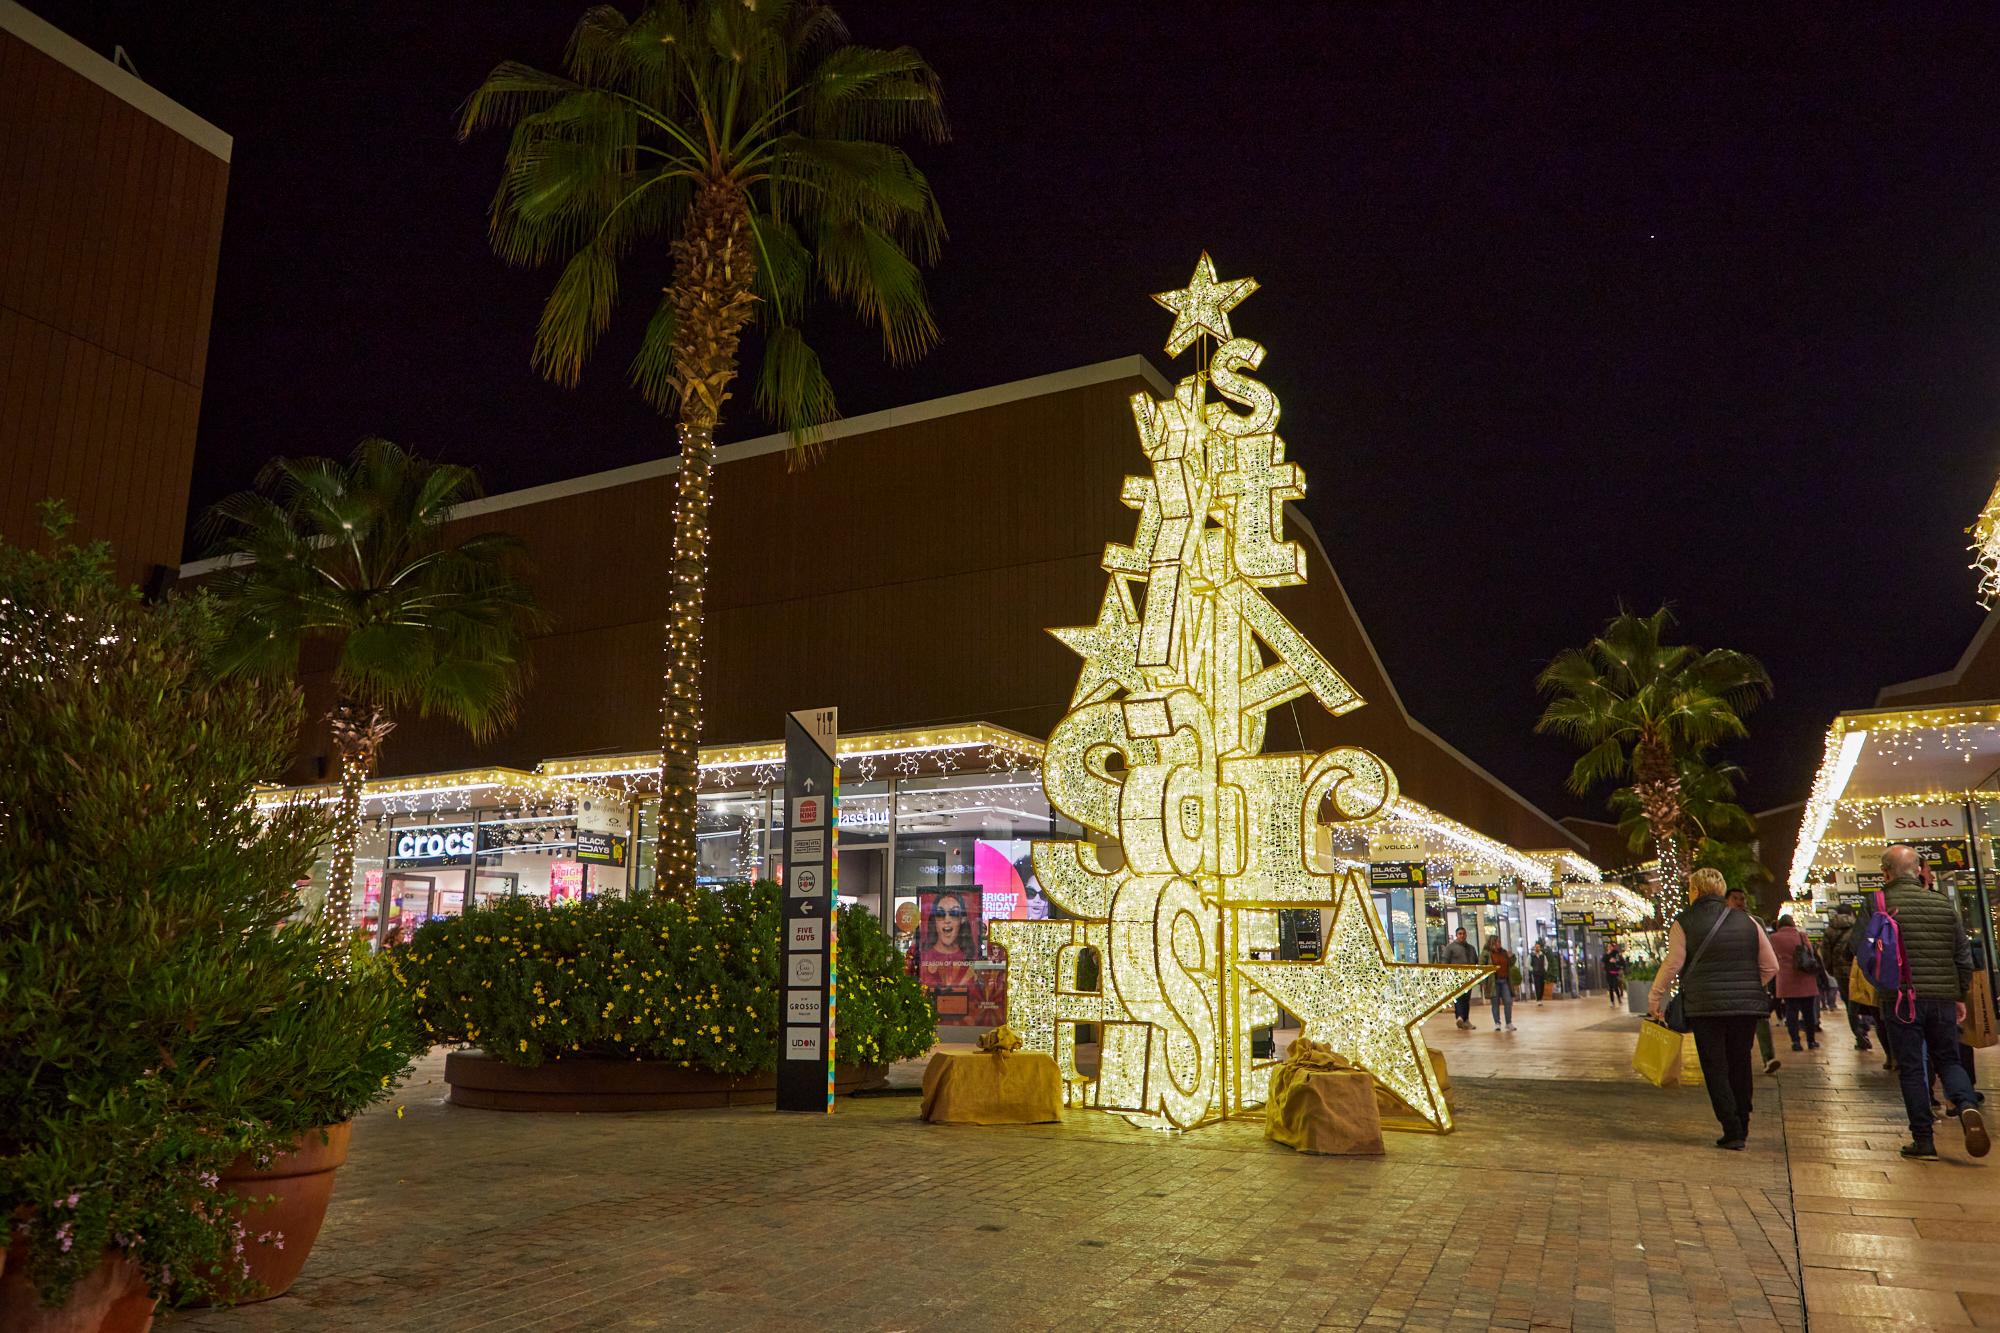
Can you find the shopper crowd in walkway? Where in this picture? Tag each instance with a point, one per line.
(1904, 968)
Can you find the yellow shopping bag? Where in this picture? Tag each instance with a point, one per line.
(1660, 1054)
(1858, 989)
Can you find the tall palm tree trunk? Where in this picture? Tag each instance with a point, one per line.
(714, 265)
(1658, 786)
(358, 732)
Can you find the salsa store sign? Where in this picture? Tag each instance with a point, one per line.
(1922, 823)
(447, 844)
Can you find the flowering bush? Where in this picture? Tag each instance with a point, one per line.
(158, 1016)
(654, 978)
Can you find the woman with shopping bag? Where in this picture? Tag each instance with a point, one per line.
(1722, 961)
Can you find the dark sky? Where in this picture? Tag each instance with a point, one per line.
(1564, 308)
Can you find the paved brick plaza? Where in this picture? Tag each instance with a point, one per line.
(1573, 1196)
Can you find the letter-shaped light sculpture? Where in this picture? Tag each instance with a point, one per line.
(1196, 836)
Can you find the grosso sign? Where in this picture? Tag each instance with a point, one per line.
(434, 846)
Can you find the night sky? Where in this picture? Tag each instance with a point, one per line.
(1562, 310)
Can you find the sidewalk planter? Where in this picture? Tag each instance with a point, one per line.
(595, 1084)
(111, 1299)
(302, 1181)
(1638, 995)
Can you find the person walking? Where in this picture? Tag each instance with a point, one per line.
(1837, 953)
(1538, 970)
(1460, 951)
(1737, 899)
(1920, 1020)
(1502, 964)
(1798, 982)
(1722, 960)
(1614, 973)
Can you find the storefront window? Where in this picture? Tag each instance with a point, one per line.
(864, 846)
(730, 836)
(961, 863)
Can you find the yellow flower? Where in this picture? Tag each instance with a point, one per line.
(524, 1045)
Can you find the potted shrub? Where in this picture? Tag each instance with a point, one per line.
(157, 1009)
(1638, 985)
(640, 1004)
(338, 1046)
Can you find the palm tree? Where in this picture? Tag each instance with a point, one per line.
(1709, 808)
(739, 149)
(1639, 706)
(355, 556)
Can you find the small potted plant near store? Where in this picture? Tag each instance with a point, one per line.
(159, 1016)
(1638, 985)
(649, 1003)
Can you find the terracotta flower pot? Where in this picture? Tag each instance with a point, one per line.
(111, 1298)
(302, 1180)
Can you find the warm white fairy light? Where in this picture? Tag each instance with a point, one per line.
(1211, 833)
(1985, 548)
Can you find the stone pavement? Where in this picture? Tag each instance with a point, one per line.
(1574, 1197)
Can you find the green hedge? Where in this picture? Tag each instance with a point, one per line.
(649, 978)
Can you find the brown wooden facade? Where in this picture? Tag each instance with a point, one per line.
(908, 577)
(110, 226)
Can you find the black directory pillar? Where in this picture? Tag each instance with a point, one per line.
(812, 868)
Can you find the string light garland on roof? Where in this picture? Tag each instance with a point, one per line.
(1212, 834)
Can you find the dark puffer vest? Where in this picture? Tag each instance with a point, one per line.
(1727, 979)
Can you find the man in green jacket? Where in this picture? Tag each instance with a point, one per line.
(1920, 1022)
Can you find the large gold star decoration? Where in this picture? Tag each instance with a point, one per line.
(1368, 1008)
(1203, 305)
(1110, 648)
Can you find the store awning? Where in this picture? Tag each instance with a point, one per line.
(1894, 761)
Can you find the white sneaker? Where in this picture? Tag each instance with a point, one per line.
(1510, 1027)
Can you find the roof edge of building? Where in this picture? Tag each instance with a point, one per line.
(65, 50)
(888, 418)
(1943, 679)
(1305, 524)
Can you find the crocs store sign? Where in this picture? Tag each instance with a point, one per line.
(435, 846)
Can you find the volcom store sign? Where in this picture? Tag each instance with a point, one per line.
(1922, 823)
(451, 844)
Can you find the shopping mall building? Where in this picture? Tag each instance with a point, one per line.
(908, 577)
(1922, 766)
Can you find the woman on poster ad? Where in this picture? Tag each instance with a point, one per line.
(944, 958)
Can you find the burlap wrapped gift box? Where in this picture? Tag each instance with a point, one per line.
(997, 1084)
(1320, 1103)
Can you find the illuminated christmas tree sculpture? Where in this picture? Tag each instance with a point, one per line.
(1198, 837)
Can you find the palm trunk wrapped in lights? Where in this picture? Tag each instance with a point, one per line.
(358, 733)
(714, 266)
(1658, 786)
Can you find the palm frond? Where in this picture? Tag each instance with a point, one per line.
(653, 373)
(576, 315)
(870, 272)
(793, 391)
(511, 91)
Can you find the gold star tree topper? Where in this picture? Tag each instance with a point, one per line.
(1203, 305)
(1196, 837)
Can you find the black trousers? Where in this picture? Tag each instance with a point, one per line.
(1723, 1043)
